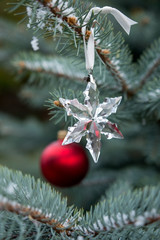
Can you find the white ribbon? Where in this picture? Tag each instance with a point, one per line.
(123, 20)
(89, 50)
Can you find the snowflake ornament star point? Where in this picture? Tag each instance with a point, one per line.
(92, 119)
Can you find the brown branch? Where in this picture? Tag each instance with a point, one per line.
(149, 220)
(36, 216)
(23, 66)
(33, 215)
(115, 73)
(57, 12)
(109, 65)
(149, 73)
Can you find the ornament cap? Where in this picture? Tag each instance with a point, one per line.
(61, 134)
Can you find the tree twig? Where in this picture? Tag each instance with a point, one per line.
(23, 66)
(33, 215)
(109, 65)
(149, 73)
(115, 73)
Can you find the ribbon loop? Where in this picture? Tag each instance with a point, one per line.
(89, 48)
(89, 51)
(122, 19)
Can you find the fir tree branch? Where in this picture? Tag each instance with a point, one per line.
(115, 73)
(32, 214)
(149, 73)
(149, 64)
(117, 212)
(58, 67)
(23, 66)
(36, 215)
(40, 205)
(140, 221)
(72, 22)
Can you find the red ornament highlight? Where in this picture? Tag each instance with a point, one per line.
(64, 166)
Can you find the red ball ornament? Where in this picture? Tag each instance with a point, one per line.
(64, 166)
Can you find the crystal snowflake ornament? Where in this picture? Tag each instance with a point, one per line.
(92, 119)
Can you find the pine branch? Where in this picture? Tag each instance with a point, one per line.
(35, 200)
(150, 71)
(36, 216)
(58, 67)
(115, 73)
(72, 23)
(33, 214)
(146, 105)
(129, 209)
(55, 107)
(56, 17)
(140, 220)
(112, 215)
(149, 65)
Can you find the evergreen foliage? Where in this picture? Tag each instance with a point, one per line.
(130, 207)
(39, 212)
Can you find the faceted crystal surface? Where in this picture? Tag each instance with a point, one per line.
(92, 119)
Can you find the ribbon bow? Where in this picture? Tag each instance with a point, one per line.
(122, 19)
